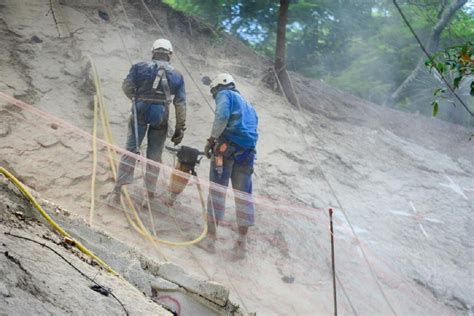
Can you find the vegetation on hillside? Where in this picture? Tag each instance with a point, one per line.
(360, 46)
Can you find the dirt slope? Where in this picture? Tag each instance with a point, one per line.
(404, 182)
(36, 281)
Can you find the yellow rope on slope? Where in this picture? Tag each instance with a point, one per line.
(136, 222)
(48, 218)
(94, 162)
(112, 156)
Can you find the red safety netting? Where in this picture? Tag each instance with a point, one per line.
(287, 269)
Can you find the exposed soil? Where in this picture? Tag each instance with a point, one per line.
(402, 183)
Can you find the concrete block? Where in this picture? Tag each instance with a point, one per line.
(160, 284)
(210, 290)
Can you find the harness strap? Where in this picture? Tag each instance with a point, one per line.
(166, 89)
(161, 78)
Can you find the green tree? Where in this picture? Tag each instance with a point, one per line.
(280, 65)
(361, 46)
(456, 62)
(445, 15)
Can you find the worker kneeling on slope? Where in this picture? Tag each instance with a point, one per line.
(151, 86)
(231, 148)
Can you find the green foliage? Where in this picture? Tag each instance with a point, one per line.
(361, 46)
(435, 108)
(455, 62)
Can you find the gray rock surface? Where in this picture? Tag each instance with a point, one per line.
(401, 185)
(39, 271)
(210, 290)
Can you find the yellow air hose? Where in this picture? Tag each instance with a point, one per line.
(135, 222)
(94, 162)
(48, 218)
(112, 157)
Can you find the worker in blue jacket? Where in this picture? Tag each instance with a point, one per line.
(231, 148)
(152, 87)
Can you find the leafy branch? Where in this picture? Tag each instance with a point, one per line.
(457, 61)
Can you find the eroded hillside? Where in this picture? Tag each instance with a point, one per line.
(402, 186)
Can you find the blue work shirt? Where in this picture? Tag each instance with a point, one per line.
(235, 119)
(139, 84)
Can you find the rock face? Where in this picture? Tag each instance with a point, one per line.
(34, 280)
(33, 273)
(401, 185)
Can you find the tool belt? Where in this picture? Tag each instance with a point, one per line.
(230, 150)
(151, 98)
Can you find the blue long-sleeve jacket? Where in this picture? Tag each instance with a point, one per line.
(139, 84)
(235, 119)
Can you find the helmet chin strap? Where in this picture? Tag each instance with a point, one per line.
(220, 87)
(161, 55)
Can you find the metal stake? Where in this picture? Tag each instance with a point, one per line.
(333, 262)
(135, 123)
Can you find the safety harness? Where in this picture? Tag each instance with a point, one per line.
(161, 81)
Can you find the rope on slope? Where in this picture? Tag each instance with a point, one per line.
(179, 59)
(51, 221)
(425, 51)
(97, 287)
(137, 224)
(325, 178)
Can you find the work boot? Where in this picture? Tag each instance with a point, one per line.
(240, 248)
(208, 243)
(114, 196)
(149, 197)
(170, 199)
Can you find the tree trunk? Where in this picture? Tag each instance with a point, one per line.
(431, 46)
(280, 64)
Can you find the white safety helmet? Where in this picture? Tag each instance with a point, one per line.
(223, 79)
(163, 44)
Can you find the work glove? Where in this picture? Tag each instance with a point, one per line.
(209, 148)
(128, 88)
(177, 136)
(180, 110)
